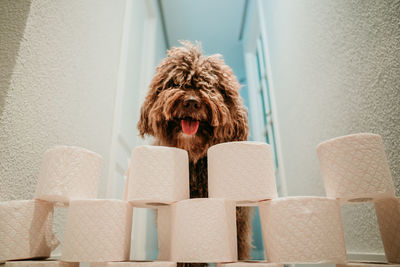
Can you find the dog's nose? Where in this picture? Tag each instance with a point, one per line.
(192, 103)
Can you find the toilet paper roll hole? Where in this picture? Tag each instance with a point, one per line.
(361, 199)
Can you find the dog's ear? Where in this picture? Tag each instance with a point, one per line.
(240, 127)
(237, 127)
(144, 125)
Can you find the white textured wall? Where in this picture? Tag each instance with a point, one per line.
(336, 69)
(58, 76)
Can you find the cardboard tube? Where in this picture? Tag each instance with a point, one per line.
(388, 216)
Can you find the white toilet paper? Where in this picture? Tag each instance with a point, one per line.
(158, 175)
(26, 230)
(241, 171)
(68, 172)
(135, 264)
(97, 231)
(38, 263)
(354, 167)
(303, 230)
(204, 230)
(388, 215)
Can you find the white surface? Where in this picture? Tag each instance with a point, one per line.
(58, 65)
(335, 66)
(142, 48)
(254, 32)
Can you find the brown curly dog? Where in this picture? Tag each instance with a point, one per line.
(193, 103)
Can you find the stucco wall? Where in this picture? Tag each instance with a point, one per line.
(336, 69)
(58, 76)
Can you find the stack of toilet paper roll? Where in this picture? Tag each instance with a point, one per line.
(355, 169)
(96, 229)
(295, 229)
(66, 173)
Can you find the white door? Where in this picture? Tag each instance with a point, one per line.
(135, 71)
(260, 89)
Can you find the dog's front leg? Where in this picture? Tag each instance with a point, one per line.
(244, 217)
(192, 264)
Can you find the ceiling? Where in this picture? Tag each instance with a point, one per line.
(216, 23)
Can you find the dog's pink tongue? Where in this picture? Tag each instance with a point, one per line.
(189, 127)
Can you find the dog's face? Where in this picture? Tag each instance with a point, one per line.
(193, 103)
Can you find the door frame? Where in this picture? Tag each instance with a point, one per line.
(256, 28)
(142, 217)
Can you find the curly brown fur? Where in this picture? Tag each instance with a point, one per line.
(192, 87)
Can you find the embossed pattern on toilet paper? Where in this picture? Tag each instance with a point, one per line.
(158, 174)
(241, 171)
(26, 229)
(37, 263)
(303, 230)
(68, 172)
(355, 166)
(388, 216)
(97, 230)
(135, 264)
(204, 230)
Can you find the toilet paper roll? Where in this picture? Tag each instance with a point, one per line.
(367, 264)
(249, 264)
(135, 264)
(164, 228)
(388, 216)
(241, 171)
(97, 231)
(68, 172)
(303, 230)
(354, 167)
(46, 263)
(158, 175)
(203, 230)
(26, 230)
